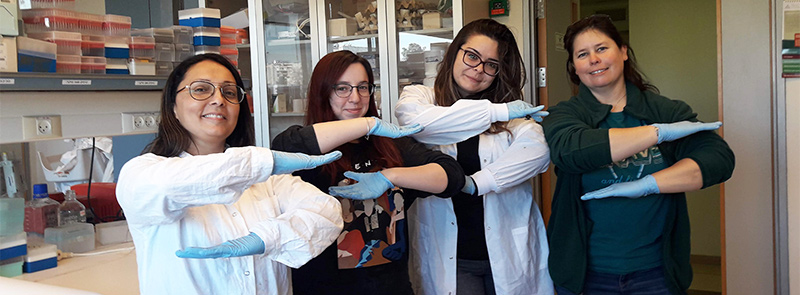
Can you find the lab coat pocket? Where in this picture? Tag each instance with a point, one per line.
(521, 244)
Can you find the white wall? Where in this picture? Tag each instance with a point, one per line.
(746, 109)
(793, 174)
(675, 46)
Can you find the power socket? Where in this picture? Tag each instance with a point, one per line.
(41, 127)
(140, 122)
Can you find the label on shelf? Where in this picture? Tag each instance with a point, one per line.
(146, 83)
(6, 81)
(76, 82)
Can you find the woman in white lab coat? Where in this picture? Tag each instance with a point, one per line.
(490, 239)
(201, 182)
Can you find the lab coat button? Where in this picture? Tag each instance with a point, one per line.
(235, 214)
(452, 223)
(451, 257)
(488, 228)
(246, 272)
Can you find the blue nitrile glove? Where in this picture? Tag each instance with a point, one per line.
(673, 131)
(285, 163)
(386, 129)
(519, 109)
(369, 186)
(248, 245)
(633, 189)
(469, 186)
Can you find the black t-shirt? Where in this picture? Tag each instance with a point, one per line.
(469, 209)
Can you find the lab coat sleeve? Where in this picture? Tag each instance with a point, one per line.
(309, 222)
(157, 190)
(526, 156)
(446, 125)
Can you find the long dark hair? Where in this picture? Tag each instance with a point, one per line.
(507, 85)
(172, 138)
(602, 23)
(326, 74)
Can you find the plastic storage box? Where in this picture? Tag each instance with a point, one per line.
(68, 64)
(93, 45)
(91, 24)
(141, 67)
(206, 36)
(13, 246)
(183, 51)
(93, 65)
(76, 237)
(118, 47)
(227, 32)
(11, 267)
(165, 52)
(206, 49)
(35, 55)
(142, 47)
(112, 232)
(69, 43)
(40, 256)
(163, 68)
(117, 66)
(165, 35)
(182, 34)
(199, 17)
(50, 19)
(63, 4)
(117, 25)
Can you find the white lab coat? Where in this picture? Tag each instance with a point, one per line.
(202, 201)
(515, 233)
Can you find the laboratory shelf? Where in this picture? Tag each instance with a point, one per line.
(287, 42)
(350, 38)
(289, 114)
(65, 82)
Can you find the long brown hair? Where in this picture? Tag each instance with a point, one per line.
(507, 85)
(172, 138)
(325, 76)
(602, 23)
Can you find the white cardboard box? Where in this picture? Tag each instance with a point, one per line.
(341, 27)
(9, 14)
(237, 19)
(8, 54)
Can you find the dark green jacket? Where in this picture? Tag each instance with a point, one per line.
(577, 147)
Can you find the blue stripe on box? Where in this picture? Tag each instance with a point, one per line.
(43, 264)
(29, 63)
(203, 40)
(200, 22)
(114, 52)
(12, 252)
(117, 71)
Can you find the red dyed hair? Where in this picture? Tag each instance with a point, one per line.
(326, 74)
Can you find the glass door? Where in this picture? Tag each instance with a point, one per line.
(357, 26)
(288, 61)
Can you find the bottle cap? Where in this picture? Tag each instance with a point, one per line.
(69, 194)
(40, 191)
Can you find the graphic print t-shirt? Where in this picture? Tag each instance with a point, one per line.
(626, 233)
(373, 229)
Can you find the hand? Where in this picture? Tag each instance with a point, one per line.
(633, 189)
(386, 129)
(469, 186)
(673, 131)
(285, 163)
(369, 186)
(518, 109)
(248, 245)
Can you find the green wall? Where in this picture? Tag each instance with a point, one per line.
(675, 45)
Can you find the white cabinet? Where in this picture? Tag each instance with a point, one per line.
(403, 40)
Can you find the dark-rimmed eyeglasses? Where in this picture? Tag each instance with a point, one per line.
(472, 60)
(202, 90)
(344, 90)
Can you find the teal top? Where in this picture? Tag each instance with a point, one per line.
(626, 236)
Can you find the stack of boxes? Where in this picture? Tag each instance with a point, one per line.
(152, 48)
(790, 57)
(205, 23)
(183, 42)
(227, 42)
(117, 31)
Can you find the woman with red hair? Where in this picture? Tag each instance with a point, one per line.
(391, 170)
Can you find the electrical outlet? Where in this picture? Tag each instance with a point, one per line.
(140, 122)
(41, 127)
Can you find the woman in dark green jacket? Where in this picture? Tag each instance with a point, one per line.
(624, 157)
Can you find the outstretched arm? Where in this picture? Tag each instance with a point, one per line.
(333, 134)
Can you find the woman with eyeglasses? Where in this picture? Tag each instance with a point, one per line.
(201, 182)
(378, 176)
(624, 155)
(490, 239)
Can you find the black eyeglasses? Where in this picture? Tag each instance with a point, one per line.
(344, 90)
(202, 90)
(472, 60)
